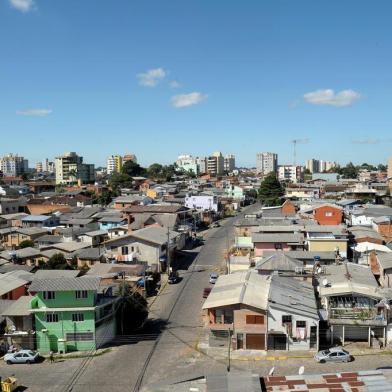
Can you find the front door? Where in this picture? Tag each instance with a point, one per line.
(240, 341)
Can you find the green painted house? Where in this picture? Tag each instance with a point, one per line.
(72, 314)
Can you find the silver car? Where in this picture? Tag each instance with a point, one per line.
(335, 354)
(21, 356)
(213, 278)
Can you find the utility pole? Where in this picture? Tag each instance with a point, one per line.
(168, 251)
(229, 350)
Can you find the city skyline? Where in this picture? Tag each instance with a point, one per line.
(166, 75)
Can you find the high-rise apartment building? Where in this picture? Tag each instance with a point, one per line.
(229, 163)
(215, 164)
(266, 162)
(313, 165)
(188, 163)
(39, 167)
(49, 167)
(71, 169)
(114, 164)
(389, 172)
(201, 164)
(13, 165)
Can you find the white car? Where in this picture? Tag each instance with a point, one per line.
(213, 278)
(21, 356)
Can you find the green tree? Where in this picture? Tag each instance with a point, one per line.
(26, 244)
(57, 261)
(132, 310)
(119, 180)
(133, 169)
(382, 167)
(350, 171)
(271, 191)
(155, 170)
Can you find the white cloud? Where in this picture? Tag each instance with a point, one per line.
(329, 97)
(152, 77)
(22, 5)
(186, 100)
(34, 112)
(175, 84)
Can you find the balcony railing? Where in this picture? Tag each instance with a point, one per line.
(362, 314)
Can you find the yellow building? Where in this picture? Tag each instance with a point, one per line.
(114, 164)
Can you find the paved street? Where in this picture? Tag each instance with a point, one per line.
(165, 350)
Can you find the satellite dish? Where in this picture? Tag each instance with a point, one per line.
(319, 270)
(325, 282)
(271, 372)
(301, 370)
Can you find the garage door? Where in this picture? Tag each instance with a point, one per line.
(255, 341)
(277, 342)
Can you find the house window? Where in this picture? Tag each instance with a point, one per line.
(49, 295)
(52, 318)
(228, 316)
(286, 319)
(218, 316)
(76, 317)
(278, 246)
(301, 324)
(253, 319)
(79, 294)
(124, 250)
(328, 213)
(79, 336)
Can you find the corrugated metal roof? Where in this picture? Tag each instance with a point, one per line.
(65, 284)
(20, 307)
(247, 287)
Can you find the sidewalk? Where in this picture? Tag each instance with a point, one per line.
(261, 355)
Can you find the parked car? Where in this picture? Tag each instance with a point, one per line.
(334, 354)
(206, 292)
(21, 356)
(173, 278)
(213, 278)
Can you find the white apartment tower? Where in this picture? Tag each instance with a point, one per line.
(13, 165)
(266, 162)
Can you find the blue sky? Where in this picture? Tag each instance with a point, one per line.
(160, 78)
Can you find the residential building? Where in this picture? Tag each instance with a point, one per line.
(129, 157)
(202, 164)
(188, 163)
(238, 304)
(290, 173)
(262, 312)
(147, 245)
(215, 164)
(313, 165)
(40, 221)
(328, 214)
(70, 169)
(202, 202)
(114, 164)
(302, 193)
(235, 192)
(72, 314)
(13, 165)
(327, 239)
(39, 167)
(269, 241)
(12, 287)
(229, 163)
(266, 162)
(352, 304)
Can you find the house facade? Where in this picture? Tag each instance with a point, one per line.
(71, 314)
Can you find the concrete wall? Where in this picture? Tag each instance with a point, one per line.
(260, 247)
(328, 246)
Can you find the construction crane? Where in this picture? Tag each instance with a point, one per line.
(295, 142)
